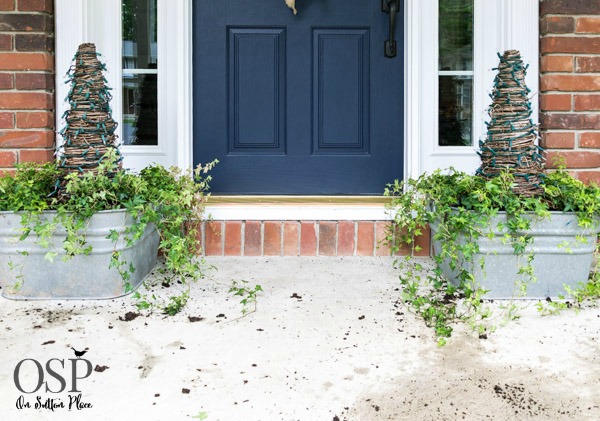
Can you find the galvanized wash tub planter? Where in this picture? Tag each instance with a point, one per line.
(80, 277)
(563, 254)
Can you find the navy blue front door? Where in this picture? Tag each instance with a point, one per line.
(304, 104)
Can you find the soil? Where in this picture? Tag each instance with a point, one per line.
(520, 372)
(129, 316)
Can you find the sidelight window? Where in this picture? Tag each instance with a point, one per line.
(455, 72)
(452, 50)
(140, 72)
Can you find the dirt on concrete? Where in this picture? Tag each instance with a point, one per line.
(328, 341)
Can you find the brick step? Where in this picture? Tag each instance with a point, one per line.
(302, 238)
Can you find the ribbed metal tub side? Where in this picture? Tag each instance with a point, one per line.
(563, 253)
(80, 277)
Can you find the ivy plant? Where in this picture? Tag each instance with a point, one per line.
(171, 199)
(241, 289)
(462, 208)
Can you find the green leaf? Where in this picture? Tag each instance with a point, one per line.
(113, 236)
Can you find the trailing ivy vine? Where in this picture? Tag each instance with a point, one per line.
(462, 206)
(172, 200)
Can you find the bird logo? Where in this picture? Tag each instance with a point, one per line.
(79, 354)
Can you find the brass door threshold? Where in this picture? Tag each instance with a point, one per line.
(298, 200)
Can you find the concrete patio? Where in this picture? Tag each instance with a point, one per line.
(329, 341)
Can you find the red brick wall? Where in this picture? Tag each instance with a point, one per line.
(26, 81)
(570, 84)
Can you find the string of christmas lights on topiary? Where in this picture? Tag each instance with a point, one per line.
(89, 132)
(510, 143)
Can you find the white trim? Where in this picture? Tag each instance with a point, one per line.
(412, 94)
(298, 212)
(140, 71)
(456, 72)
(185, 117)
(68, 37)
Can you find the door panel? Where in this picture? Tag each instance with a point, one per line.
(256, 95)
(304, 104)
(341, 104)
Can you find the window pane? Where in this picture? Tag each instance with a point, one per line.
(140, 72)
(455, 112)
(456, 35)
(140, 109)
(139, 34)
(455, 69)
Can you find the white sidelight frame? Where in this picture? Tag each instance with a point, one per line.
(99, 21)
(499, 25)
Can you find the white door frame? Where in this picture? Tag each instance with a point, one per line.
(499, 25)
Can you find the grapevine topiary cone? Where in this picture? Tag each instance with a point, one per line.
(89, 133)
(510, 143)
